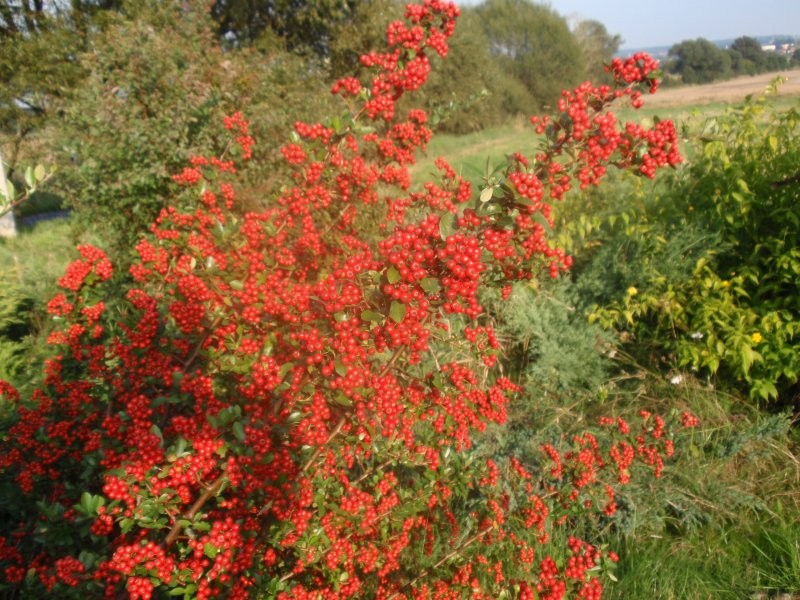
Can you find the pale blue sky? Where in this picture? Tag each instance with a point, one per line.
(643, 23)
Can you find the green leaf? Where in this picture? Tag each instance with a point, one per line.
(767, 390)
(392, 275)
(540, 218)
(746, 355)
(156, 430)
(340, 368)
(238, 430)
(341, 399)
(489, 208)
(773, 143)
(125, 525)
(29, 177)
(430, 285)
(487, 193)
(397, 312)
(210, 551)
(285, 368)
(39, 173)
(371, 315)
(86, 502)
(447, 225)
(12, 192)
(523, 200)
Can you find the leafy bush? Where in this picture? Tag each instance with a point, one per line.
(158, 84)
(281, 404)
(715, 256)
(549, 346)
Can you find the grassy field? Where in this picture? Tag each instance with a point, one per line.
(36, 258)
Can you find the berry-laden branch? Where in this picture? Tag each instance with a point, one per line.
(209, 493)
(290, 357)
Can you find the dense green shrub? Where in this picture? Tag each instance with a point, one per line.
(158, 81)
(702, 270)
(549, 345)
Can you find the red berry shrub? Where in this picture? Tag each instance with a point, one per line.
(283, 404)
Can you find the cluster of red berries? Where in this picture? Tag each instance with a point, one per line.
(281, 397)
(93, 261)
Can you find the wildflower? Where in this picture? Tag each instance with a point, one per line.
(632, 291)
(756, 338)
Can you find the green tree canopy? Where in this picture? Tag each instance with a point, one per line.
(159, 84)
(699, 61)
(468, 91)
(534, 43)
(471, 90)
(747, 56)
(597, 45)
(40, 42)
(301, 24)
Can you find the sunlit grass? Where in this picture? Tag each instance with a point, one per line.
(36, 258)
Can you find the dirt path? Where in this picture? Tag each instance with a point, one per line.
(733, 90)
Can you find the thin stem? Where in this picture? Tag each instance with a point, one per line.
(195, 508)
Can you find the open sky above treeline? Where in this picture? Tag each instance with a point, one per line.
(648, 23)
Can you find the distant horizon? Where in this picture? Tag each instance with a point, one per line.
(646, 24)
(717, 41)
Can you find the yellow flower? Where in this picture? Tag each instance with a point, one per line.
(756, 338)
(632, 291)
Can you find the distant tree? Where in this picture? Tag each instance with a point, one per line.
(747, 56)
(533, 43)
(699, 61)
(466, 92)
(470, 90)
(775, 61)
(749, 48)
(300, 24)
(598, 47)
